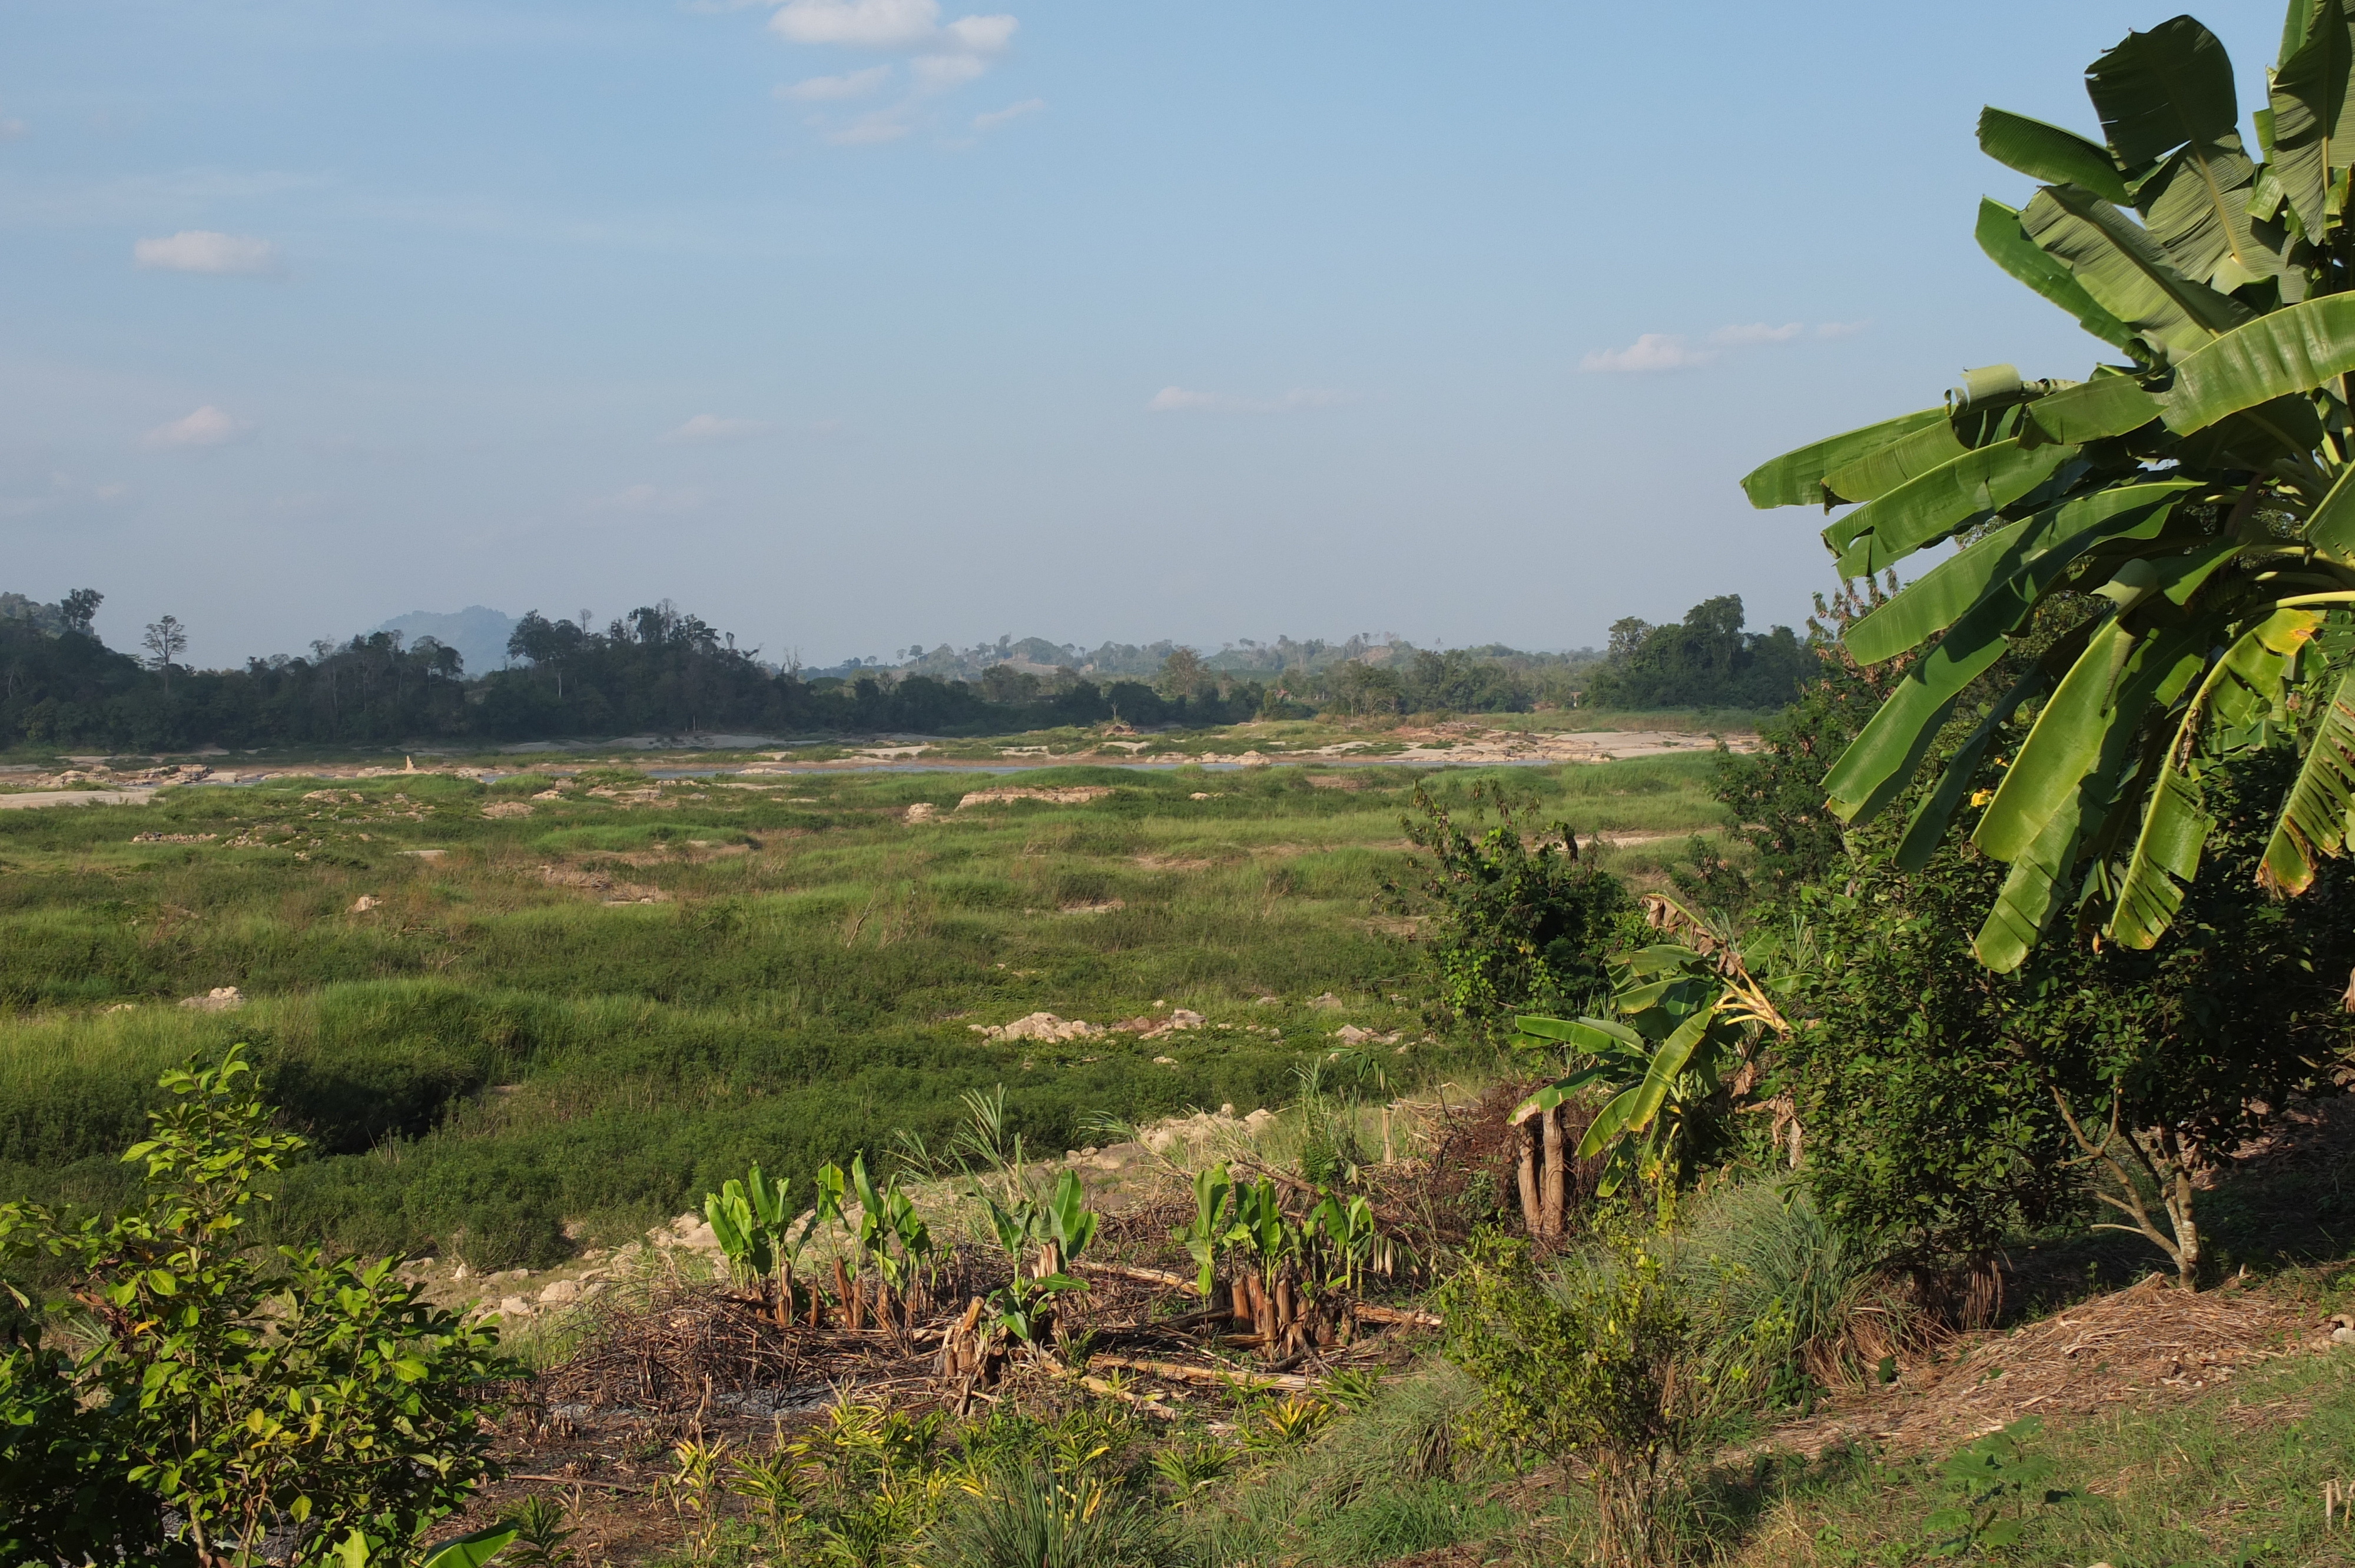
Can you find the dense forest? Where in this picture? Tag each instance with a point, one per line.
(661, 670)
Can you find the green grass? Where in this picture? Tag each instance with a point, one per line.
(501, 1044)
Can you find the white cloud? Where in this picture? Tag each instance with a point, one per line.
(1673, 350)
(12, 129)
(939, 73)
(889, 24)
(1179, 401)
(207, 426)
(203, 250)
(1755, 332)
(835, 89)
(1012, 111)
(1653, 351)
(706, 429)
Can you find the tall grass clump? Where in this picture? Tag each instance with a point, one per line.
(1765, 1273)
(1032, 1517)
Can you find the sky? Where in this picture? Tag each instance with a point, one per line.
(850, 324)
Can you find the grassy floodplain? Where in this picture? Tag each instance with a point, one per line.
(517, 1014)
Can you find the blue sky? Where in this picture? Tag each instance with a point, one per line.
(850, 323)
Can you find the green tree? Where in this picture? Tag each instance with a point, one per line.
(227, 1394)
(1511, 925)
(2195, 498)
(1705, 661)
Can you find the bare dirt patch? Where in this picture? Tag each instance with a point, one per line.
(2149, 1344)
(601, 884)
(1078, 795)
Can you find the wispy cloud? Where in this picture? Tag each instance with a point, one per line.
(711, 430)
(208, 425)
(1180, 400)
(1653, 351)
(837, 89)
(1008, 115)
(12, 129)
(1675, 351)
(941, 56)
(1754, 334)
(205, 251)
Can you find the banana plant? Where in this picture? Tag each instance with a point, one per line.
(889, 1233)
(1259, 1228)
(1351, 1241)
(1205, 1234)
(356, 1550)
(2177, 528)
(1691, 1019)
(1020, 1227)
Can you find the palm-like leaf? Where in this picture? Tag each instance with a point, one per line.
(2205, 492)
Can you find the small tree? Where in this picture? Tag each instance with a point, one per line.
(228, 1394)
(79, 609)
(1511, 926)
(165, 640)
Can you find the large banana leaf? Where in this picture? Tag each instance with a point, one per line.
(2314, 113)
(1884, 468)
(1928, 824)
(2295, 349)
(2051, 155)
(2052, 538)
(2315, 817)
(1923, 510)
(2104, 406)
(2061, 749)
(2331, 524)
(1797, 478)
(2163, 89)
(2127, 272)
(2008, 246)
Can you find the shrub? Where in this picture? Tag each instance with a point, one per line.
(1512, 926)
(229, 1395)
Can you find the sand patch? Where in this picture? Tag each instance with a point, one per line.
(602, 884)
(1078, 795)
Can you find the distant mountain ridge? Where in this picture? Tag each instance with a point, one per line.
(479, 634)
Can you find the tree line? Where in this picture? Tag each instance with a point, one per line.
(660, 669)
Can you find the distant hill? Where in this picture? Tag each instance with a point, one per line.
(479, 635)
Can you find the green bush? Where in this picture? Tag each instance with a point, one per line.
(1032, 1517)
(228, 1396)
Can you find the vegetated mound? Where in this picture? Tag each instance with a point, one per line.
(2148, 1343)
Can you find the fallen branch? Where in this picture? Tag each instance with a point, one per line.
(1145, 1275)
(1369, 1314)
(1233, 1376)
(1097, 1385)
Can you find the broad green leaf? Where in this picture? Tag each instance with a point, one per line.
(2175, 824)
(1882, 758)
(472, 1551)
(1608, 1124)
(2286, 426)
(1936, 814)
(2297, 27)
(2316, 814)
(2007, 244)
(2127, 272)
(2159, 91)
(1884, 468)
(2104, 406)
(1587, 1033)
(2049, 154)
(1796, 479)
(2197, 205)
(1923, 510)
(2331, 524)
(2061, 748)
(1931, 603)
(2314, 115)
(2291, 350)
(2036, 887)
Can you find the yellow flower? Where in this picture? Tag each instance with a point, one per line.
(1981, 797)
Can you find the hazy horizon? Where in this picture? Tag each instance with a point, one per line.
(843, 320)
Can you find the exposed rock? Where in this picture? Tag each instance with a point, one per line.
(509, 808)
(1328, 1002)
(1164, 1061)
(560, 1294)
(1078, 795)
(221, 999)
(515, 1307)
(1038, 1026)
(921, 812)
(1351, 1034)
(364, 902)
